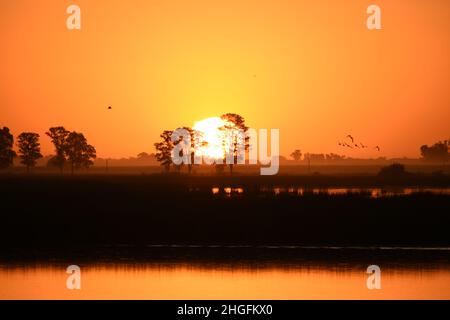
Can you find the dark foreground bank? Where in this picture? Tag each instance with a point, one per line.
(59, 213)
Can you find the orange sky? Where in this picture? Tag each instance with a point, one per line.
(310, 68)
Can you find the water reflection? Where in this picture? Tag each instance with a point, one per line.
(203, 281)
(227, 191)
(302, 191)
(235, 272)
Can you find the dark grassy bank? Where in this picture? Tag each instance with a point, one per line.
(62, 213)
(224, 257)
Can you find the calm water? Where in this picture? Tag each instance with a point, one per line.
(277, 280)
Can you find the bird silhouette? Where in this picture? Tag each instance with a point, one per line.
(362, 146)
(109, 108)
(378, 148)
(351, 138)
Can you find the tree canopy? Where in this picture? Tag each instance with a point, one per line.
(29, 149)
(78, 151)
(7, 153)
(437, 152)
(58, 136)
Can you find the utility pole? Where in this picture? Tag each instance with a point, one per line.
(309, 165)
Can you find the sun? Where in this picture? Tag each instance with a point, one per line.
(211, 138)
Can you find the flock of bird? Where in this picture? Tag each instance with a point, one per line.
(350, 143)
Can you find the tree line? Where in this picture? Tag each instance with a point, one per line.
(297, 156)
(438, 152)
(71, 148)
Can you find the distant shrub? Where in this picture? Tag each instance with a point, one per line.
(393, 170)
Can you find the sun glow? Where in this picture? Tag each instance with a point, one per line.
(211, 138)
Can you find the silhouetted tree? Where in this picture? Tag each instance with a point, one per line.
(333, 156)
(6, 148)
(29, 149)
(296, 155)
(78, 151)
(58, 135)
(315, 157)
(437, 152)
(143, 156)
(164, 149)
(236, 122)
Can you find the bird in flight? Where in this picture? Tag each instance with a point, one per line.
(109, 108)
(351, 138)
(378, 148)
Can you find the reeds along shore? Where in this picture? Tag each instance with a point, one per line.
(52, 212)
